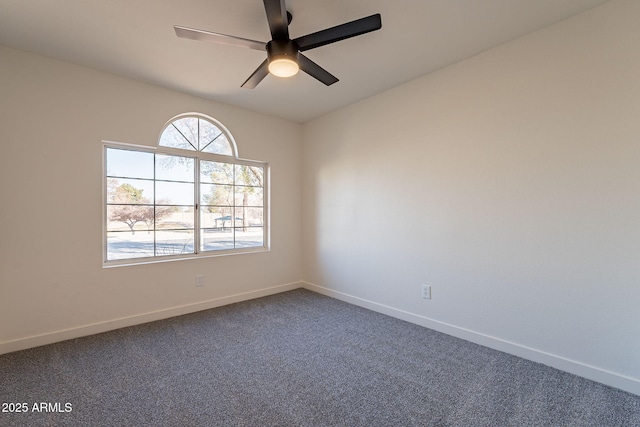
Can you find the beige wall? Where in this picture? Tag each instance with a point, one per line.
(54, 116)
(509, 182)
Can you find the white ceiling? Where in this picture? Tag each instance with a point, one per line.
(135, 38)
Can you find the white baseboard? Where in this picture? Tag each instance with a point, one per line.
(622, 382)
(96, 328)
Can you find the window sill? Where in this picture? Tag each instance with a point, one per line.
(156, 260)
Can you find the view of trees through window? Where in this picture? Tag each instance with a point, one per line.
(161, 204)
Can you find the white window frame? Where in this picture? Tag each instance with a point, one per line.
(198, 156)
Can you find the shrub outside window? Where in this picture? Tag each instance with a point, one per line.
(190, 197)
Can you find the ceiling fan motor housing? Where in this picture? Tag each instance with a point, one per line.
(282, 49)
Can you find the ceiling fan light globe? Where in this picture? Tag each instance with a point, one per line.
(283, 67)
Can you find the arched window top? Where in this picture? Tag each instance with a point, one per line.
(197, 132)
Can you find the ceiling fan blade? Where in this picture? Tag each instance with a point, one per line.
(207, 36)
(277, 18)
(257, 76)
(340, 32)
(316, 71)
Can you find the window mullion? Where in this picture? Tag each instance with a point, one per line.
(197, 206)
(211, 142)
(233, 205)
(155, 198)
(185, 138)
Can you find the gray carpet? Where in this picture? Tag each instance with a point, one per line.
(296, 359)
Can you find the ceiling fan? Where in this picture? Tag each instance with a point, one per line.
(283, 53)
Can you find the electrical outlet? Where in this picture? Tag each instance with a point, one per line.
(199, 280)
(426, 291)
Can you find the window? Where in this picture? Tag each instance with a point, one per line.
(189, 197)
